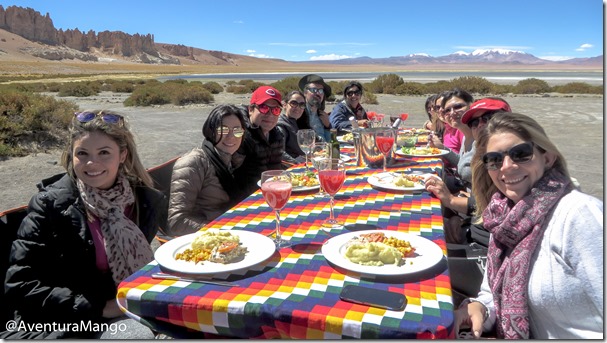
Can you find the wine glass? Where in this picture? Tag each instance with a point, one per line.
(331, 173)
(276, 189)
(320, 151)
(384, 139)
(305, 139)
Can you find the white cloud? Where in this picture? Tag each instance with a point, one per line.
(311, 51)
(555, 58)
(330, 57)
(260, 55)
(250, 51)
(584, 46)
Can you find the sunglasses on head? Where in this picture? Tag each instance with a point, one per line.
(264, 109)
(474, 123)
(236, 131)
(110, 118)
(316, 90)
(294, 103)
(519, 154)
(457, 107)
(350, 93)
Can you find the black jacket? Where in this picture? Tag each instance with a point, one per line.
(53, 275)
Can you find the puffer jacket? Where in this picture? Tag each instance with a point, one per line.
(288, 128)
(260, 154)
(197, 196)
(53, 275)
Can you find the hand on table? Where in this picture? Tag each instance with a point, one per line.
(437, 187)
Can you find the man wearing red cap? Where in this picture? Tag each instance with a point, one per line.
(264, 144)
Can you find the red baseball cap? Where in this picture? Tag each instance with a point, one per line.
(265, 93)
(485, 104)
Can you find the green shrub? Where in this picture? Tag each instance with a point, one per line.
(386, 84)
(286, 85)
(578, 88)
(532, 86)
(369, 98)
(29, 122)
(191, 94)
(213, 87)
(79, 89)
(411, 88)
(178, 93)
(122, 87)
(473, 84)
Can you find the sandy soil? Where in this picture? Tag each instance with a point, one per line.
(574, 123)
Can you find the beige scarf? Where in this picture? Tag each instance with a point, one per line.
(125, 245)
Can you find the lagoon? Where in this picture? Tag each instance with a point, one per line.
(552, 78)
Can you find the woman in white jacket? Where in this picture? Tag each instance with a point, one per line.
(544, 275)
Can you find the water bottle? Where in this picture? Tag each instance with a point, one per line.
(353, 121)
(396, 123)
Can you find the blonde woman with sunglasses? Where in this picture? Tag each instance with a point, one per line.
(544, 273)
(203, 185)
(85, 232)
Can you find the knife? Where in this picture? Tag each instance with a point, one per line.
(164, 276)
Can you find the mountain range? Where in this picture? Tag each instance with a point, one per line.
(26, 35)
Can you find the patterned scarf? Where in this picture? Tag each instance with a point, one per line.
(125, 245)
(516, 232)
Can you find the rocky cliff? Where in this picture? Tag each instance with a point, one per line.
(31, 25)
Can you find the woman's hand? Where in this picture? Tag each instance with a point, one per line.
(471, 315)
(111, 309)
(435, 142)
(437, 187)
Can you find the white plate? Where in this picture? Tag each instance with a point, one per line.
(385, 181)
(427, 254)
(259, 249)
(442, 153)
(342, 140)
(344, 157)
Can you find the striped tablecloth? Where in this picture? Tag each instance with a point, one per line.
(295, 294)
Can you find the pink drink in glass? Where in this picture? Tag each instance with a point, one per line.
(331, 180)
(276, 193)
(384, 144)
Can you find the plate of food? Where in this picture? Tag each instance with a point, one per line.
(214, 251)
(302, 182)
(397, 181)
(421, 152)
(382, 252)
(347, 138)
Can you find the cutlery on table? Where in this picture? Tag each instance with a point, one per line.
(164, 276)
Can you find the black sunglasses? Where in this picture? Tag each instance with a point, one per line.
(350, 93)
(110, 118)
(519, 154)
(474, 123)
(294, 103)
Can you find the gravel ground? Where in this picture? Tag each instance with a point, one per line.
(574, 123)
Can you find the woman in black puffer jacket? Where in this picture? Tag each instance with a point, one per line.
(85, 232)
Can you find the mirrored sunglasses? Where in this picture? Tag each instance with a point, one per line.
(519, 154)
(350, 93)
(316, 90)
(110, 118)
(294, 103)
(263, 108)
(236, 131)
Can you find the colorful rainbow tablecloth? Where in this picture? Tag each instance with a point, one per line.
(295, 294)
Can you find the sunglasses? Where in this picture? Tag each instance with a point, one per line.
(456, 108)
(519, 154)
(224, 131)
(294, 103)
(350, 93)
(474, 123)
(320, 91)
(264, 109)
(110, 118)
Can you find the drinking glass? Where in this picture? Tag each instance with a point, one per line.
(384, 139)
(276, 189)
(305, 139)
(320, 151)
(331, 173)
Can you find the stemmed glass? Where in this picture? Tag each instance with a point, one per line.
(384, 139)
(332, 173)
(305, 139)
(320, 151)
(276, 189)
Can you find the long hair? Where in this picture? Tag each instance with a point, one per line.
(523, 127)
(215, 118)
(120, 133)
(303, 122)
(431, 100)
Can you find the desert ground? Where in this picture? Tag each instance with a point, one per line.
(574, 123)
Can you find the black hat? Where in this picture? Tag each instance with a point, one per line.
(313, 78)
(351, 84)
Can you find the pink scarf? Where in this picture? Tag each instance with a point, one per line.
(516, 232)
(125, 245)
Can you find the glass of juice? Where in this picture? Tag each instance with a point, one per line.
(384, 139)
(331, 173)
(276, 189)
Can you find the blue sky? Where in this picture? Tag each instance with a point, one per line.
(315, 30)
